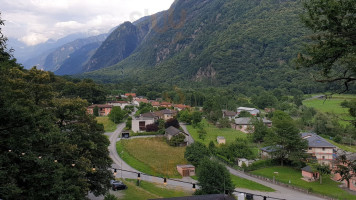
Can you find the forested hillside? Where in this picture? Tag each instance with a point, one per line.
(219, 42)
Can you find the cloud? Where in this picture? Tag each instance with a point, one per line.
(35, 21)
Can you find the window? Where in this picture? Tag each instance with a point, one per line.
(310, 148)
(323, 148)
(323, 157)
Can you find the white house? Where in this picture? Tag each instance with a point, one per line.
(139, 123)
(252, 111)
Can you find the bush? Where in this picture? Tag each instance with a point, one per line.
(152, 128)
(110, 197)
(176, 140)
(337, 139)
(172, 122)
(202, 133)
(196, 152)
(261, 164)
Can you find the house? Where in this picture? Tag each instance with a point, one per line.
(336, 177)
(103, 109)
(166, 104)
(245, 125)
(186, 170)
(139, 123)
(130, 94)
(171, 132)
(166, 114)
(309, 174)
(229, 114)
(121, 104)
(155, 104)
(252, 111)
(265, 152)
(181, 107)
(320, 149)
(137, 102)
(241, 162)
(221, 140)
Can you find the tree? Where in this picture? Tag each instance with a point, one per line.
(196, 152)
(196, 117)
(202, 133)
(322, 170)
(238, 149)
(346, 168)
(214, 178)
(260, 130)
(96, 111)
(152, 128)
(224, 123)
(172, 122)
(286, 139)
(176, 140)
(244, 113)
(116, 114)
(332, 50)
(49, 144)
(185, 116)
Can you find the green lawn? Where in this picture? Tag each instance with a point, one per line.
(332, 106)
(152, 156)
(213, 132)
(148, 190)
(329, 187)
(343, 146)
(251, 185)
(109, 126)
(247, 184)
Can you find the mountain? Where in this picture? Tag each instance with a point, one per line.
(35, 55)
(54, 60)
(218, 42)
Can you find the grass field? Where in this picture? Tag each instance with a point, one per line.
(343, 146)
(329, 187)
(251, 185)
(109, 126)
(332, 106)
(148, 190)
(213, 132)
(152, 156)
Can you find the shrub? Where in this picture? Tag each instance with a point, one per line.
(152, 128)
(176, 140)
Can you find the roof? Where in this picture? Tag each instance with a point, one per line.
(247, 121)
(229, 113)
(221, 138)
(149, 115)
(118, 102)
(155, 103)
(246, 108)
(166, 103)
(185, 166)
(181, 106)
(315, 140)
(270, 149)
(130, 94)
(167, 112)
(172, 131)
(307, 169)
(142, 100)
(202, 197)
(100, 106)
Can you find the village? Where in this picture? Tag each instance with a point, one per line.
(145, 118)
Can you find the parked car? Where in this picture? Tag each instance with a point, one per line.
(118, 185)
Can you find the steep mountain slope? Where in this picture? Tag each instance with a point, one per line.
(55, 59)
(218, 42)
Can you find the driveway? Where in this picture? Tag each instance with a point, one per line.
(190, 139)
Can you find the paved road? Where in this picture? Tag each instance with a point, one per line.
(119, 163)
(281, 192)
(190, 138)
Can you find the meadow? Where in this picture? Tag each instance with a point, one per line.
(109, 126)
(286, 174)
(213, 132)
(152, 156)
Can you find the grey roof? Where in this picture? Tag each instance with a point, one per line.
(229, 113)
(220, 137)
(167, 111)
(172, 131)
(315, 140)
(308, 169)
(148, 115)
(270, 149)
(246, 108)
(202, 197)
(185, 166)
(247, 121)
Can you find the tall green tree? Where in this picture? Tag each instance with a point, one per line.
(116, 114)
(332, 50)
(196, 152)
(213, 178)
(286, 140)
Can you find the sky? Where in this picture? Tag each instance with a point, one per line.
(35, 21)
